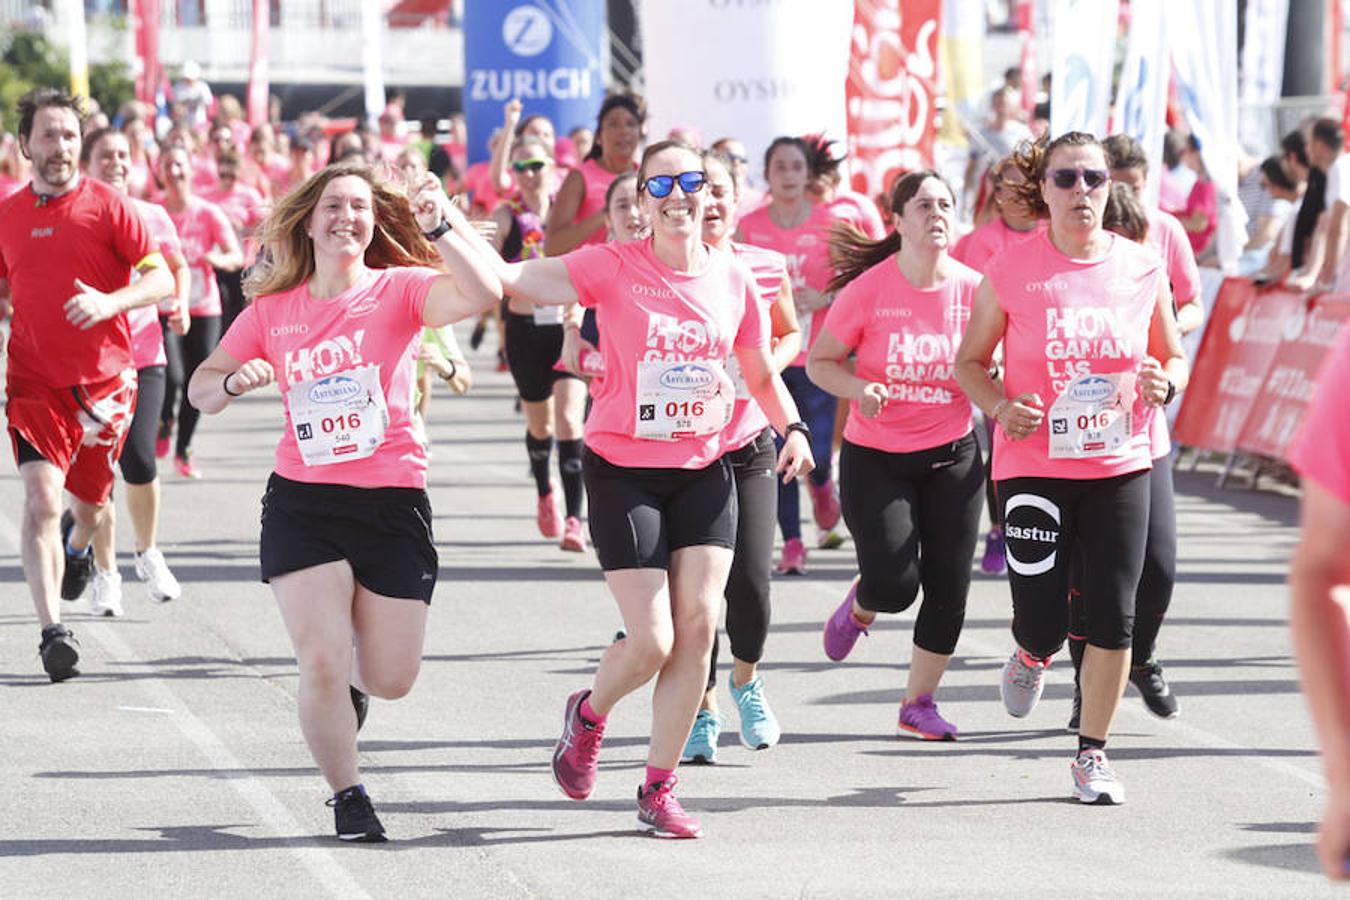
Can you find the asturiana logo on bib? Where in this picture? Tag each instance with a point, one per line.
(1092, 389)
(688, 377)
(337, 389)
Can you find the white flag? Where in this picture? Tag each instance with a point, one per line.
(1084, 53)
(1141, 100)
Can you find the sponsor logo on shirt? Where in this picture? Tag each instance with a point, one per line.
(647, 290)
(43, 232)
(1050, 284)
(363, 306)
(283, 330)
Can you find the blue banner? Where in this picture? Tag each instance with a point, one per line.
(547, 53)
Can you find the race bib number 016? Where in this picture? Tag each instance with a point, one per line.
(1092, 417)
(682, 399)
(339, 417)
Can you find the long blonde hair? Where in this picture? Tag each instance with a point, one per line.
(287, 257)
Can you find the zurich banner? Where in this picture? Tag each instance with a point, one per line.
(550, 54)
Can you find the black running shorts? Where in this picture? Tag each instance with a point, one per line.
(638, 516)
(384, 533)
(531, 351)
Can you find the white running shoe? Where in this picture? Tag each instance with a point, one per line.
(1094, 781)
(106, 593)
(159, 581)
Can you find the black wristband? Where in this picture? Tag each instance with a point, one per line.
(454, 369)
(797, 426)
(436, 233)
(1171, 392)
(225, 386)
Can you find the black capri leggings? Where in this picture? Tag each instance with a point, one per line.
(1044, 521)
(748, 583)
(185, 353)
(1159, 578)
(915, 519)
(138, 453)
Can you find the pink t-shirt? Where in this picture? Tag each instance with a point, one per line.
(988, 241)
(807, 250)
(769, 269)
(376, 322)
(245, 208)
(1204, 198)
(1321, 451)
(1167, 236)
(906, 338)
(1067, 318)
(647, 312)
(202, 226)
(147, 338)
(597, 180)
(858, 210)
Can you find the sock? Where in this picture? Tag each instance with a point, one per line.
(539, 449)
(569, 468)
(81, 554)
(657, 776)
(356, 788)
(1087, 743)
(588, 714)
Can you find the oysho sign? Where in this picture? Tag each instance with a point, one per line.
(549, 54)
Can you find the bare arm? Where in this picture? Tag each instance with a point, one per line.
(562, 234)
(88, 306)
(827, 366)
(1319, 581)
(1019, 416)
(786, 331)
(499, 178)
(222, 378)
(227, 256)
(1166, 360)
(1335, 245)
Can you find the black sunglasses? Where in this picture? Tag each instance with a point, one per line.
(1067, 178)
(660, 186)
(529, 165)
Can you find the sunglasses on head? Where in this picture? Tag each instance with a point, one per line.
(660, 186)
(529, 165)
(1067, 178)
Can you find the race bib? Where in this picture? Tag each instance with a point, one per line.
(339, 417)
(197, 289)
(680, 399)
(548, 315)
(1092, 417)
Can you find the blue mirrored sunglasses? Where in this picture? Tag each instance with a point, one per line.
(660, 186)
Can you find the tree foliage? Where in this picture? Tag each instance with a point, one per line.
(29, 60)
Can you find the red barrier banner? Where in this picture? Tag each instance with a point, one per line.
(891, 90)
(1241, 340)
(1280, 404)
(1196, 417)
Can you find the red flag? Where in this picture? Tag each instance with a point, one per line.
(147, 50)
(891, 90)
(257, 65)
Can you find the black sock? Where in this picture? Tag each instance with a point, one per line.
(569, 468)
(1088, 743)
(539, 449)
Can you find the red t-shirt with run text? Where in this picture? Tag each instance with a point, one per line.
(91, 233)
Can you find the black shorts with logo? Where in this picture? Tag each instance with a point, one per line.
(383, 533)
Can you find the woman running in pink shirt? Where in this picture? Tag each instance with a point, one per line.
(1092, 351)
(336, 322)
(661, 491)
(910, 473)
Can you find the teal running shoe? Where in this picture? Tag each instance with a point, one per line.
(759, 726)
(701, 748)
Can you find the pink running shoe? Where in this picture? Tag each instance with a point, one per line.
(661, 815)
(921, 717)
(826, 502)
(794, 558)
(186, 467)
(841, 629)
(162, 446)
(578, 750)
(574, 539)
(550, 521)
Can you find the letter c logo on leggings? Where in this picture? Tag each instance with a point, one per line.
(1030, 528)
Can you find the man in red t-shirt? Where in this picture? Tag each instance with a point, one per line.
(68, 246)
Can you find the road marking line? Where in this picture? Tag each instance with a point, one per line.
(145, 709)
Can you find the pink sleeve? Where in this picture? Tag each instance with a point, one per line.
(751, 331)
(844, 317)
(413, 285)
(1321, 451)
(593, 269)
(244, 340)
(1181, 268)
(221, 230)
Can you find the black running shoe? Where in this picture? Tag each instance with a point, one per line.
(1077, 713)
(477, 335)
(355, 817)
(60, 652)
(360, 703)
(79, 569)
(1153, 688)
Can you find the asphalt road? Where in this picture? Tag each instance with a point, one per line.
(175, 764)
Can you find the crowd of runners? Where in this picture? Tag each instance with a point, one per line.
(680, 343)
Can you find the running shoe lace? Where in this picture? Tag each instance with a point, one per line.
(1025, 676)
(585, 740)
(752, 703)
(1095, 766)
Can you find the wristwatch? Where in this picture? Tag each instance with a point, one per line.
(798, 426)
(435, 234)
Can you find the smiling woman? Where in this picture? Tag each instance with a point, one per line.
(341, 295)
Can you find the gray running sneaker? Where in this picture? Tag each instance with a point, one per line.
(1022, 682)
(1094, 781)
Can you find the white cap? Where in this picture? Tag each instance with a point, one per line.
(192, 71)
